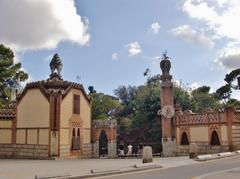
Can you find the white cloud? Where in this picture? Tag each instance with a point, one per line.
(188, 34)
(221, 16)
(115, 56)
(229, 57)
(31, 25)
(134, 48)
(155, 27)
(195, 85)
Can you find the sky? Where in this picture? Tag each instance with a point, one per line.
(110, 43)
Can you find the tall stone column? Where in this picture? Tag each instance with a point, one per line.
(167, 108)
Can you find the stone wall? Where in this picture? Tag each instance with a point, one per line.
(202, 148)
(87, 151)
(182, 150)
(24, 151)
(112, 149)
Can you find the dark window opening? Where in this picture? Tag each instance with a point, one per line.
(215, 138)
(76, 104)
(103, 144)
(184, 139)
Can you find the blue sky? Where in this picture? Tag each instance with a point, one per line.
(110, 43)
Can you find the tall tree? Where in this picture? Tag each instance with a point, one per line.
(104, 106)
(9, 71)
(201, 98)
(232, 77)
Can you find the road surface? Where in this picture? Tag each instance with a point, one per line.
(226, 168)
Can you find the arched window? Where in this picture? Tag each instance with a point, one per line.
(73, 132)
(75, 140)
(78, 139)
(214, 138)
(184, 139)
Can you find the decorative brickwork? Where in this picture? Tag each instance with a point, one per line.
(109, 127)
(223, 127)
(9, 113)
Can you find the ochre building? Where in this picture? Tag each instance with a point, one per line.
(51, 119)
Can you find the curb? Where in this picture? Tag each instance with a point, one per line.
(114, 172)
(202, 158)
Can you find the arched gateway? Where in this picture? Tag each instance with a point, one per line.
(104, 137)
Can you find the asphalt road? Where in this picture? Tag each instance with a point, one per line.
(219, 168)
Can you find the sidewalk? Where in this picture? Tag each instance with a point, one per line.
(28, 169)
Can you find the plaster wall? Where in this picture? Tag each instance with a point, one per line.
(66, 110)
(5, 136)
(224, 133)
(43, 136)
(5, 124)
(32, 136)
(21, 136)
(199, 134)
(33, 110)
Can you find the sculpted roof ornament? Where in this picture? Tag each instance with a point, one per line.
(56, 64)
(165, 64)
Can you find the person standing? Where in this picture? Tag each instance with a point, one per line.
(129, 150)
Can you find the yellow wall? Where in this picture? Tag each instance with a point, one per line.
(6, 124)
(86, 136)
(199, 134)
(85, 112)
(66, 110)
(21, 136)
(5, 136)
(32, 136)
(33, 110)
(178, 135)
(43, 136)
(224, 133)
(64, 135)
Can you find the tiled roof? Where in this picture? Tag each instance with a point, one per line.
(54, 85)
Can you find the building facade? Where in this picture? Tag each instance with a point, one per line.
(187, 132)
(210, 131)
(51, 119)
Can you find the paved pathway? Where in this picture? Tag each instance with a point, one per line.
(27, 169)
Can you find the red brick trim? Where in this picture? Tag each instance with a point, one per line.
(59, 102)
(51, 117)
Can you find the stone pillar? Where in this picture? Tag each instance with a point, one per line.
(229, 116)
(112, 149)
(166, 85)
(96, 149)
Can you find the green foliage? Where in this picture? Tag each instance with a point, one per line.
(146, 104)
(104, 106)
(229, 78)
(223, 92)
(233, 103)
(91, 89)
(202, 99)
(8, 70)
(182, 97)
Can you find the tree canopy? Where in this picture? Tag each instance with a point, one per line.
(104, 106)
(232, 80)
(9, 71)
